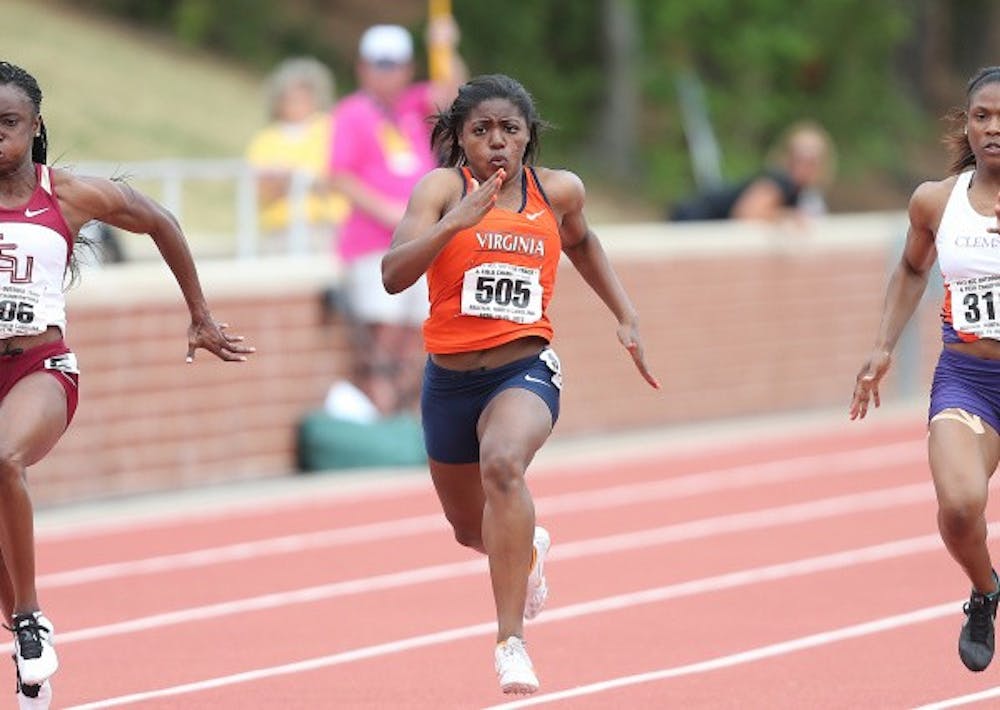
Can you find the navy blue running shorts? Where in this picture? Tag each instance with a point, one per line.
(452, 401)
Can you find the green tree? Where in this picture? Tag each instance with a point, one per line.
(768, 63)
(606, 73)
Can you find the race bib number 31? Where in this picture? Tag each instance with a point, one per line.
(975, 305)
(504, 291)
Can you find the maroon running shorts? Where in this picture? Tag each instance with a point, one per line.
(54, 358)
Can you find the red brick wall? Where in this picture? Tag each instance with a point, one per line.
(735, 320)
(754, 332)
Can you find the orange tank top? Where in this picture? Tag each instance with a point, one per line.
(493, 282)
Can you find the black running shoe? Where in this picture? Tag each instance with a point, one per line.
(976, 642)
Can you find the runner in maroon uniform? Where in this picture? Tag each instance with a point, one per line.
(41, 209)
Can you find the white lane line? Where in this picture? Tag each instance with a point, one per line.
(698, 529)
(387, 530)
(751, 520)
(732, 580)
(802, 643)
(224, 501)
(733, 478)
(960, 700)
(98, 519)
(739, 477)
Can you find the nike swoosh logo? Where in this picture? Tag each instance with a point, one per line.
(34, 213)
(534, 215)
(529, 378)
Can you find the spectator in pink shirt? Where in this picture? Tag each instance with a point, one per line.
(381, 148)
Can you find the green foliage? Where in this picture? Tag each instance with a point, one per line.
(553, 48)
(258, 32)
(768, 63)
(764, 64)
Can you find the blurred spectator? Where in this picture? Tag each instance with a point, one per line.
(792, 186)
(381, 149)
(290, 155)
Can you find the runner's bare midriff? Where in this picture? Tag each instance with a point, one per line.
(491, 357)
(26, 342)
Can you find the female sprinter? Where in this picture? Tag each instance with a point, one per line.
(955, 221)
(41, 211)
(488, 230)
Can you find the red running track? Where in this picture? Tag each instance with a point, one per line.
(784, 572)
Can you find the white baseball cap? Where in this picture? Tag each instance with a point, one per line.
(386, 43)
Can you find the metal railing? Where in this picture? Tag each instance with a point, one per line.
(171, 176)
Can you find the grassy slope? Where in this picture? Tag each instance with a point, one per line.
(115, 93)
(112, 92)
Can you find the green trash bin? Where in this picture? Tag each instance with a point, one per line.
(327, 443)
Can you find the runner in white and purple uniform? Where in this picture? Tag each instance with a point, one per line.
(955, 221)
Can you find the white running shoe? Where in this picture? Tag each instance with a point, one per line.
(514, 668)
(538, 589)
(33, 651)
(42, 699)
(32, 697)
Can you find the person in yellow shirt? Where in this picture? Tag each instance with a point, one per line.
(290, 155)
